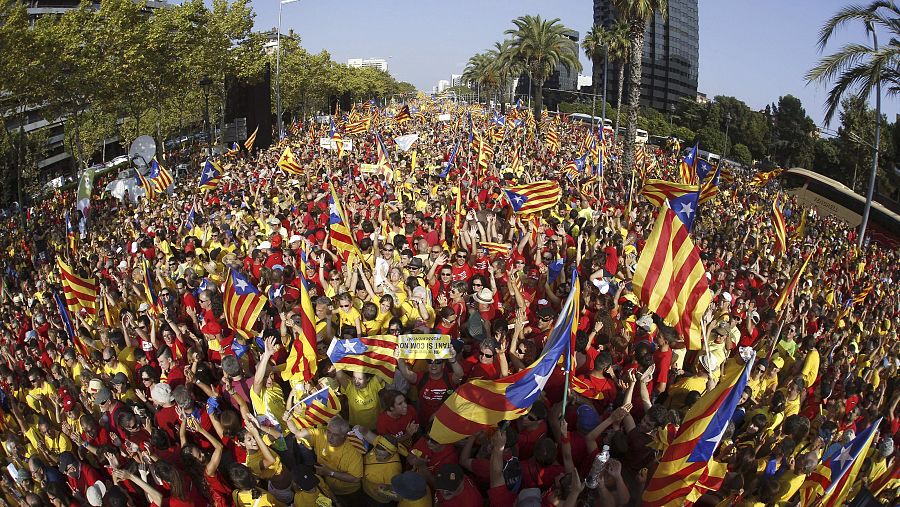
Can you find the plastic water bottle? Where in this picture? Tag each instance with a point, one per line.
(597, 469)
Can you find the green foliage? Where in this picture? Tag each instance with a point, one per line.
(793, 134)
(856, 69)
(540, 45)
(685, 134)
(740, 153)
(711, 139)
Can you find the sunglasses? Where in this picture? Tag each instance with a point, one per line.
(345, 306)
(462, 256)
(546, 319)
(487, 355)
(446, 274)
(387, 249)
(477, 285)
(435, 361)
(204, 301)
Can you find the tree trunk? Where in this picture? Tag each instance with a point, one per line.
(634, 91)
(619, 96)
(538, 101)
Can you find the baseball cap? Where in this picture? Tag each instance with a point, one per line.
(305, 477)
(95, 494)
(588, 418)
(449, 477)
(409, 486)
(120, 378)
(102, 396)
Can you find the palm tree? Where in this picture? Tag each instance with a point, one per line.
(637, 13)
(619, 50)
(540, 45)
(593, 44)
(507, 66)
(482, 71)
(857, 68)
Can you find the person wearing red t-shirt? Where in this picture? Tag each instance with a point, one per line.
(453, 487)
(427, 452)
(532, 428)
(433, 386)
(488, 363)
(461, 269)
(598, 387)
(79, 475)
(662, 358)
(398, 419)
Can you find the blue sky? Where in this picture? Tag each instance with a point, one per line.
(755, 51)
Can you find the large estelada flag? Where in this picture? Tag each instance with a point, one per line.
(829, 484)
(658, 191)
(159, 176)
(686, 459)
(688, 166)
(368, 354)
(80, 292)
(242, 302)
(288, 162)
(670, 278)
(301, 362)
(341, 237)
(481, 404)
(211, 175)
(533, 197)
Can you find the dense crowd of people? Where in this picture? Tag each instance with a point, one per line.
(169, 406)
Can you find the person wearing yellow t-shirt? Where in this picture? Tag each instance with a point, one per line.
(698, 382)
(362, 397)
(112, 365)
(266, 395)
(809, 369)
(382, 463)
(246, 492)
(348, 315)
(309, 488)
(264, 463)
(338, 461)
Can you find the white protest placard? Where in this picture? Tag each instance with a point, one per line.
(444, 117)
(423, 346)
(330, 144)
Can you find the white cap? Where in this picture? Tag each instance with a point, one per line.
(294, 238)
(727, 296)
(264, 244)
(95, 494)
(143, 307)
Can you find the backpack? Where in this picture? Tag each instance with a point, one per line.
(512, 474)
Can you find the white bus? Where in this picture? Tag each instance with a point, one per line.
(641, 136)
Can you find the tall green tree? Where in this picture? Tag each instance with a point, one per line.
(541, 45)
(857, 68)
(793, 133)
(637, 13)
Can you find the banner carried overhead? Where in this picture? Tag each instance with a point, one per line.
(406, 142)
(331, 144)
(85, 187)
(423, 346)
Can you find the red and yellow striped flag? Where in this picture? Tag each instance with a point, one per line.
(792, 284)
(671, 280)
(533, 197)
(251, 140)
(686, 460)
(320, 407)
(552, 140)
(242, 302)
(368, 354)
(341, 237)
(288, 162)
(301, 361)
(778, 226)
(658, 191)
(403, 115)
(80, 292)
(495, 248)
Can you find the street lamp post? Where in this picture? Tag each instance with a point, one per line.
(205, 83)
(727, 124)
(603, 106)
(871, 190)
(671, 113)
(278, 69)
